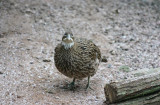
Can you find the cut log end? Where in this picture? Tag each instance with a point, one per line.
(110, 93)
(146, 84)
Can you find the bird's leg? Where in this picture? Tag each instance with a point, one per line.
(73, 82)
(87, 86)
(71, 85)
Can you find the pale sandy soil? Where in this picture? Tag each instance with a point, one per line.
(127, 32)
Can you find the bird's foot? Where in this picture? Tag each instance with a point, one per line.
(88, 87)
(71, 86)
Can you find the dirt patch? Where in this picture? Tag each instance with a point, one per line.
(127, 32)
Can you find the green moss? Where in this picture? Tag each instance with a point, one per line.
(138, 74)
(124, 68)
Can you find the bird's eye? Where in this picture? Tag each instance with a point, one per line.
(71, 35)
(65, 34)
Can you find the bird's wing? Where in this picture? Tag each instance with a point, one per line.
(88, 49)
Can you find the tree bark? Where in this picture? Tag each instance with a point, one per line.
(153, 99)
(145, 82)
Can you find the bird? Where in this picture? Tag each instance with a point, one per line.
(77, 58)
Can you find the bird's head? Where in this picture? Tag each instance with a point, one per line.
(68, 40)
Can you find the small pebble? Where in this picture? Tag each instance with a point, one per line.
(57, 98)
(1, 72)
(31, 62)
(19, 96)
(109, 66)
(112, 52)
(104, 59)
(46, 60)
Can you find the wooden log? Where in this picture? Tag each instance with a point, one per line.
(145, 82)
(153, 99)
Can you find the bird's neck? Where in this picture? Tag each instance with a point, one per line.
(68, 45)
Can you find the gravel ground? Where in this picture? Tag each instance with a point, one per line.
(126, 31)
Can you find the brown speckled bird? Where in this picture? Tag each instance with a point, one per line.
(77, 58)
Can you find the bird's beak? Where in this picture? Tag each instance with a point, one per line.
(68, 39)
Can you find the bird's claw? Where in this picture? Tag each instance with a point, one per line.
(88, 87)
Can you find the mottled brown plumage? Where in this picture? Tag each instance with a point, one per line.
(79, 60)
